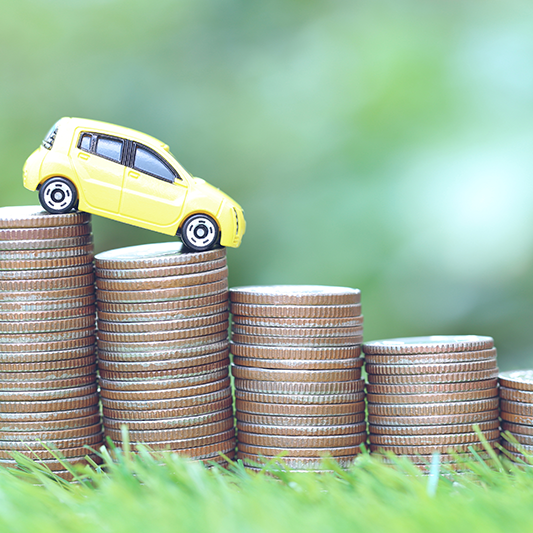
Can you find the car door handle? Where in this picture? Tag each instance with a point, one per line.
(133, 174)
(83, 155)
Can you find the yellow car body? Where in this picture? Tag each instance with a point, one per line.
(126, 175)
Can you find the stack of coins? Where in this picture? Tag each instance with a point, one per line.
(427, 394)
(516, 411)
(48, 386)
(297, 369)
(163, 350)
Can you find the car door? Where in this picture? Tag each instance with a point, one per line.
(98, 161)
(153, 191)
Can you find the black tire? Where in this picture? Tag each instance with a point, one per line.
(58, 195)
(199, 233)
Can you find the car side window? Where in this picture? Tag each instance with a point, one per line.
(85, 142)
(146, 161)
(109, 148)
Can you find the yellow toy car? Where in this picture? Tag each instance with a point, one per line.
(129, 176)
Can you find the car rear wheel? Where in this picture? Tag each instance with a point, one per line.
(58, 195)
(199, 233)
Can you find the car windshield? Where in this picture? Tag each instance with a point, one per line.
(50, 137)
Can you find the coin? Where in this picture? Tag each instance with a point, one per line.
(302, 364)
(433, 398)
(302, 431)
(447, 408)
(430, 440)
(48, 305)
(295, 352)
(34, 216)
(517, 408)
(66, 404)
(520, 448)
(451, 377)
(421, 449)
(30, 296)
(162, 271)
(517, 379)
(295, 295)
(432, 358)
(270, 451)
(296, 341)
(297, 323)
(56, 384)
(516, 395)
(526, 420)
(517, 428)
(15, 285)
(39, 357)
(394, 370)
(433, 420)
(299, 423)
(295, 387)
(47, 366)
(54, 464)
(57, 232)
(82, 257)
(46, 244)
(432, 344)
(54, 394)
(294, 462)
(19, 414)
(29, 347)
(433, 430)
(68, 373)
(296, 311)
(522, 439)
(38, 445)
(292, 410)
(301, 441)
(181, 444)
(42, 326)
(48, 336)
(448, 459)
(302, 399)
(204, 452)
(56, 426)
(52, 316)
(78, 451)
(323, 376)
(426, 388)
(296, 332)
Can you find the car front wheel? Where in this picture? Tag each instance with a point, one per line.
(58, 195)
(199, 233)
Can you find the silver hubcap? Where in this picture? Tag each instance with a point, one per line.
(58, 195)
(201, 232)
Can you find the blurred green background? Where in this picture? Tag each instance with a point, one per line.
(384, 145)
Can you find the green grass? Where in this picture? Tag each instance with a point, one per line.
(146, 494)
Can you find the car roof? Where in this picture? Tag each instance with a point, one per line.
(112, 129)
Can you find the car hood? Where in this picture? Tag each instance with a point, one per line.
(213, 192)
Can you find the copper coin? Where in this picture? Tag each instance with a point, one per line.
(394, 370)
(270, 451)
(516, 395)
(54, 464)
(74, 424)
(174, 403)
(39, 357)
(50, 405)
(163, 306)
(69, 373)
(296, 311)
(39, 296)
(55, 384)
(48, 366)
(47, 326)
(155, 255)
(172, 314)
(526, 420)
(296, 332)
(299, 364)
(299, 399)
(432, 430)
(57, 394)
(34, 216)
(341, 322)
(295, 295)
(167, 282)
(39, 445)
(292, 410)
(49, 336)
(182, 433)
(172, 386)
(296, 341)
(14, 285)
(150, 366)
(45, 454)
(46, 316)
(302, 431)
(162, 346)
(522, 429)
(47, 273)
(183, 354)
(518, 457)
(426, 388)
(432, 440)
(522, 439)
(81, 257)
(517, 408)
(48, 305)
(301, 442)
(433, 344)
(295, 352)
(300, 423)
(433, 398)
(517, 379)
(414, 449)
(456, 458)
(449, 408)
(318, 376)
(451, 377)
(30, 347)
(204, 452)
(154, 336)
(431, 358)
(57, 232)
(296, 388)
(182, 444)
(295, 462)
(172, 423)
(46, 244)
(162, 271)
(158, 295)
(164, 325)
(178, 417)
(434, 420)
(520, 448)
(22, 415)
